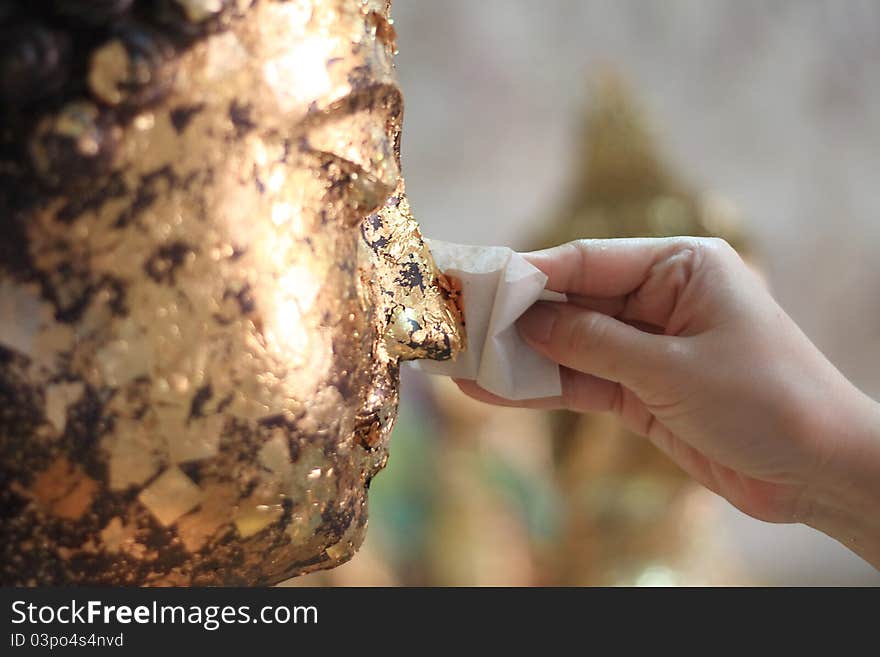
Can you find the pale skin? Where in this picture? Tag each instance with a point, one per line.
(681, 340)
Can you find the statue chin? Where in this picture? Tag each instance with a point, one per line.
(209, 292)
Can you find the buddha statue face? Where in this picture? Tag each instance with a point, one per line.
(210, 274)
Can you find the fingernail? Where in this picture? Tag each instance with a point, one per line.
(537, 322)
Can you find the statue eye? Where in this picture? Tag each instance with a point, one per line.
(348, 129)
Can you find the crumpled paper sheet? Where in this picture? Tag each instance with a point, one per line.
(497, 286)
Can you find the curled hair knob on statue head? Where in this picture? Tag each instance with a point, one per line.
(72, 72)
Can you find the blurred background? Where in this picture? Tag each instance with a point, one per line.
(531, 123)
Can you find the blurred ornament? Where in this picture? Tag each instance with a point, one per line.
(632, 516)
(623, 187)
(491, 464)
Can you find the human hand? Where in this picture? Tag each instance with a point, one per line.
(681, 339)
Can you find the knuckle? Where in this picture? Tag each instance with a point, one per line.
(571, 258)
(663, 372)
(697, 253)
(676, 356)
(585, 333)
(581, 247)
(716, 249)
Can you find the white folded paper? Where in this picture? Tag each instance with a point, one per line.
(497, 286)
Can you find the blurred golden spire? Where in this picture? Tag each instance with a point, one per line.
(620, 159)
(623, 186)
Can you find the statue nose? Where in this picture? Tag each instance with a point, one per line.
(417, 313)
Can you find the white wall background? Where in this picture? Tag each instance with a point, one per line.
(774, 104)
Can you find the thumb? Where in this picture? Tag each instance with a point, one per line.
(597, 344)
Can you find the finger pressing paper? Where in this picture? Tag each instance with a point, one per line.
(497, 286)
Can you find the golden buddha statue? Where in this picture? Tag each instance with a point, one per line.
(209, 271)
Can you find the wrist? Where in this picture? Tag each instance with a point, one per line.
(845, 496)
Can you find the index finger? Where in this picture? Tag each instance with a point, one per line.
(604, 267)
